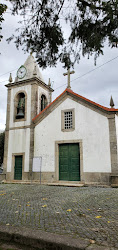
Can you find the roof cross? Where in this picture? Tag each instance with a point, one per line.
(68, 74)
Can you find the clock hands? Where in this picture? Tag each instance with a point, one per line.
(21, 70)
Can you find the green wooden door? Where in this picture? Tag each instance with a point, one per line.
(18, 168)
(69, 162)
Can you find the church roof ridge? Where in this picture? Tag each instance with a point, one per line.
(92, 102)
(69, 91)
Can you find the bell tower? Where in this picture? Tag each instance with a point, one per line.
(23, 104)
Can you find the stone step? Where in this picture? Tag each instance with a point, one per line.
(60, 183)
(68, 184)
(114, 185)
(22, 182)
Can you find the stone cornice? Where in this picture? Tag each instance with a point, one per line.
(20, 127)
(31, 81)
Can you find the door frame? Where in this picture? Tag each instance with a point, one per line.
(13, 164)
(57, 143)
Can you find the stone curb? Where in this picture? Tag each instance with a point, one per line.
(41, 240)
(45, 241)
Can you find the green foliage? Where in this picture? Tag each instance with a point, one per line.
(91, 23)
(3, 8)
(2, 138)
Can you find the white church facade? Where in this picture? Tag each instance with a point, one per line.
(77, 139)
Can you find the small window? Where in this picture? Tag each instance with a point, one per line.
(43, 102)
(67, 120)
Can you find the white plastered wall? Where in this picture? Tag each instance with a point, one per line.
(90, 127)
(19, 142)
(27, 89)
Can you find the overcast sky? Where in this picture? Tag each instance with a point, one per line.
(97, 85)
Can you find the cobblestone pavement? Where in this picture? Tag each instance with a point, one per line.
(86, 212)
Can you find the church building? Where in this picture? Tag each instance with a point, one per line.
(75, 139)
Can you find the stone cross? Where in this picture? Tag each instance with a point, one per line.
(68, 74)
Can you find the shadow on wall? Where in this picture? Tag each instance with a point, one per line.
(1, 169)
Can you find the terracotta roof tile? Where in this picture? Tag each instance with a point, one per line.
(79, 96)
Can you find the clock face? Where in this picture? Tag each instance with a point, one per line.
(21, 72)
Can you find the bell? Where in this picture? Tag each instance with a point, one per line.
(20, 114)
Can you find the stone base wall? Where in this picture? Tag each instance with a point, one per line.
(2, 177)
(10, 176)
(114, 180)
(100, 178)
(49, 177)
(45, 177)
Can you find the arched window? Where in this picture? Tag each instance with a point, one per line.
(43, 102)
(20, 106)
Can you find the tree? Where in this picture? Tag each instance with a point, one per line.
(2, 138)
(3, 8)
(91, 23)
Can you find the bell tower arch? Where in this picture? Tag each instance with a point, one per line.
(20, 106)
